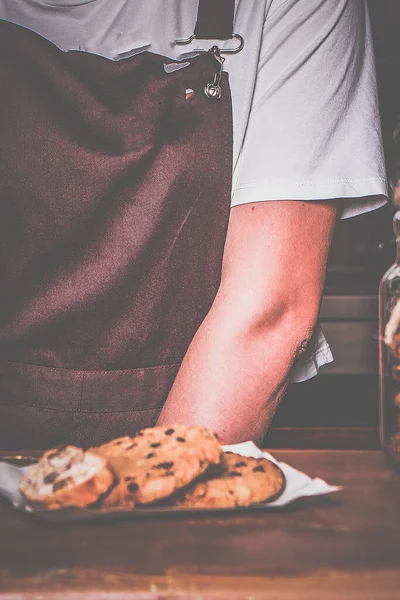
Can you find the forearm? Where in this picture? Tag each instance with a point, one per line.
(238, 364)
(234, 374)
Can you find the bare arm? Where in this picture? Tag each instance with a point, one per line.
(237, 366)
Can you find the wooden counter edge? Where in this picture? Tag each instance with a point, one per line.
(93, 585)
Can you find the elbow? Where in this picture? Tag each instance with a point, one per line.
(289, 321)
(285, 321)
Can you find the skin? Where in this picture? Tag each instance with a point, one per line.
(237, 367)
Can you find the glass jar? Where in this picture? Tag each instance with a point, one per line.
(389, 355)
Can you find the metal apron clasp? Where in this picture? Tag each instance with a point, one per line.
(235, 36)
(212, 90)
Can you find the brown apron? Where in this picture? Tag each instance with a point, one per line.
(115, 182)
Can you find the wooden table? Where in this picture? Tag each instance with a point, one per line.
(346, 545)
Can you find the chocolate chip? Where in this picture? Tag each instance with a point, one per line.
(216, 435)
(151, 455)
(50, 478)
(62, 483)
(169, 474)
(128, 478)
(169, 431)
(155, 445)
(259, 468)
(180, 439)
(242, 463)
(234, 474)
(164, 465)
(132, 487)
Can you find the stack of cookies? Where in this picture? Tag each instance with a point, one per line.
(175, 466)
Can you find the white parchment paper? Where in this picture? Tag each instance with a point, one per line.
(298, 484)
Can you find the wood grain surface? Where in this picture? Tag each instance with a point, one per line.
(346, 545)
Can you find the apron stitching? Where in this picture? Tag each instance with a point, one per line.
(111, 372)
(126, 410)
(75, 411)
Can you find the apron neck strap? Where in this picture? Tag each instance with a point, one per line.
(215, 19)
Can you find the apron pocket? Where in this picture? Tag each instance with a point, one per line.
(46, 406)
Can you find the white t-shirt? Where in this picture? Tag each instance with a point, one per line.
(305, 109)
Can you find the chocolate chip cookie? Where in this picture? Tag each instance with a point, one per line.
(66, 477)
(243, 481)
(157, 462)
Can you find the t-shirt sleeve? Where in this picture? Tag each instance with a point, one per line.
(314, 129)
